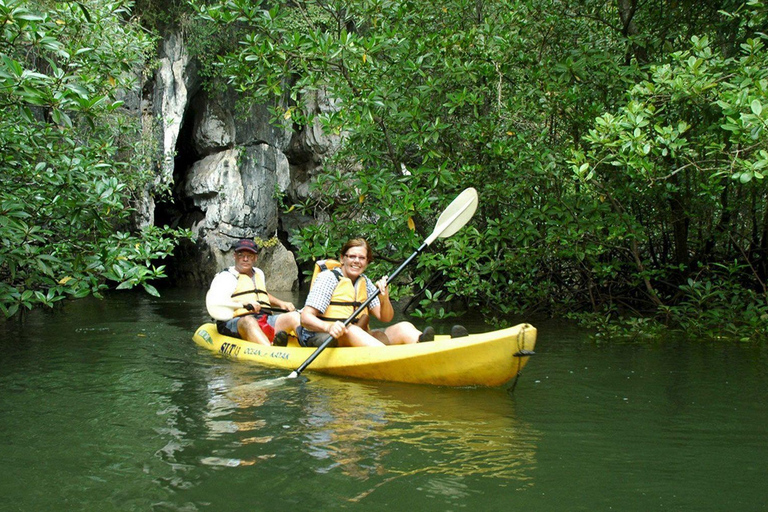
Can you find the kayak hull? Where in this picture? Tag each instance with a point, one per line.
(483, 359)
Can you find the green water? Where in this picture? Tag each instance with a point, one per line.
(108, 405)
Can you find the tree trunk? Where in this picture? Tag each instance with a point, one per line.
(627, 10)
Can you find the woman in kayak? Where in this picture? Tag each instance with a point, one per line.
(337, 293)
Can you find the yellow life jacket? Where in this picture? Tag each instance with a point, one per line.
(346, 298)
(250, 290)
(321, 265)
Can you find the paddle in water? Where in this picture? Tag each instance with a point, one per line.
(258, 385)
(450, 221)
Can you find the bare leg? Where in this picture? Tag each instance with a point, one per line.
(248, 329)
(380, 335)
(402, 333)
(364, 324)
(288, 322)
(357, 337)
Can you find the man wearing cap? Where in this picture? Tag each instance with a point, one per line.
(238, 294)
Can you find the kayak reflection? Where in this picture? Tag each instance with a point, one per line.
(390, 430)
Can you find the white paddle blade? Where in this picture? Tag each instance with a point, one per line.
(219, 310)
(456, 215)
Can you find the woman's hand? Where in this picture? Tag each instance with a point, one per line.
(337, 330)
(383, 287)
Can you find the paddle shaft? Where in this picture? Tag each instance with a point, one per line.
(267, 308)
(359, 310)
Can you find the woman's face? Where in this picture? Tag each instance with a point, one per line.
(354, 262)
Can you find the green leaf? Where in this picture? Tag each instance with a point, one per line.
(151, 289)
(85, 12)
(27, 16)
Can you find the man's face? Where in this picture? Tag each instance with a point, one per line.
(244, 261)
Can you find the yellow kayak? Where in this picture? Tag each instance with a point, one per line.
(483, 359)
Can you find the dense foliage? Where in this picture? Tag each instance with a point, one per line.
(619, 149)
(72, 156)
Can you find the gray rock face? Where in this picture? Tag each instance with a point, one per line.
(162, 113)
(226, 164)
(214, 128)
(235, 189)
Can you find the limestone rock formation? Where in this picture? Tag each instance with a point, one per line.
(227, 165)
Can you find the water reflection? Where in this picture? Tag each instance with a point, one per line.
(379, 432)
(108, 405)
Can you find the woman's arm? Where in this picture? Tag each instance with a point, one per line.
(383, 310)
(310, 320)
